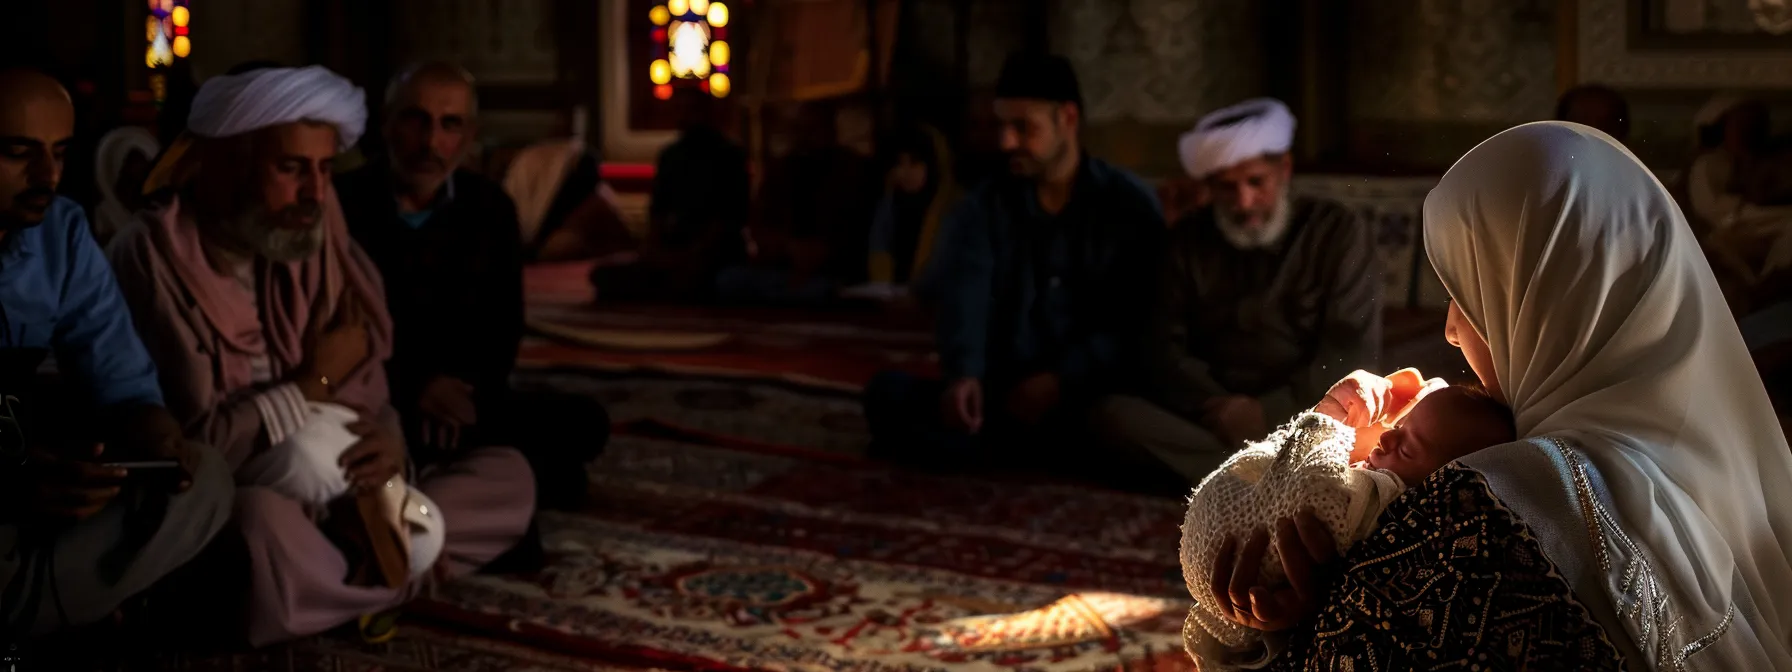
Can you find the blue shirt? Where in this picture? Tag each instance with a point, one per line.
(1025, 291)
(57, 292)
(417, 219)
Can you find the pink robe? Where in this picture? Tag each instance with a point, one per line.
(202, 329)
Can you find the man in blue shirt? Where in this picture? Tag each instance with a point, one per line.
(80, 534)
(1045, 276)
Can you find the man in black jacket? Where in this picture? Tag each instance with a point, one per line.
(448, 245)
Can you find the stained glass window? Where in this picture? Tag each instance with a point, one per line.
(690, 47)
(169, 32)
(169, 35)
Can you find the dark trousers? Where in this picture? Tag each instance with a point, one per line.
(558, 433)
(903, 414)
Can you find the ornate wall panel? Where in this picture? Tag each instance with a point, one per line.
(228, 32)
(499, 41)
(1616, 45)
(1160, 61)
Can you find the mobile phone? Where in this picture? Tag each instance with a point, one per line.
(149, 472)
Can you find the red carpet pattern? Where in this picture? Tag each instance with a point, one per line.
(751, 412)
(707, 557)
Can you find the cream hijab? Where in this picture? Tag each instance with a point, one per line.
(1607, 331)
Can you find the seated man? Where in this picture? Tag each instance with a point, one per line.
(1043, 275)
(447, 243)
(81, 537)
(258, 307)
(813, 217)
(1265, 300)
(691, 235)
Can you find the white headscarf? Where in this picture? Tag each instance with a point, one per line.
(1607, 330)
(229, 105)
(1236, 134)
(115, 147)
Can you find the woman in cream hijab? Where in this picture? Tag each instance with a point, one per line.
(1640, 517)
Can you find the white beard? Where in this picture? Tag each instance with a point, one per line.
(1246, 237)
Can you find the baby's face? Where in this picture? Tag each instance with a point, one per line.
(1446, 425)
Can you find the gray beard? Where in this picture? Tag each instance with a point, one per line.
(1246, 237)
(254, 232)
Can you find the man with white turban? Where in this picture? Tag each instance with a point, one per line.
(1265, 299)
(266, 319)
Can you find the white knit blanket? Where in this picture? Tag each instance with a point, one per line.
(1304, 464)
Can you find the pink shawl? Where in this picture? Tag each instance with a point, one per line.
(293, 297)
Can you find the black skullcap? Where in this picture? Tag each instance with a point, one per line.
(1039, 76)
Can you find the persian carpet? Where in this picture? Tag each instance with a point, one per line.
(769, 414)
(417, 648)
(700, 556)
(832, 351)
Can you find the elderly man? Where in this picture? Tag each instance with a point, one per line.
(1265, 301)
(448, 244)
(1044, 275)
(80, 534)
(264, 316)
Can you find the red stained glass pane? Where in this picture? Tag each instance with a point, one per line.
(663, 91)
(719, 33)
(180, 30)
(659, 35)
(704, 85)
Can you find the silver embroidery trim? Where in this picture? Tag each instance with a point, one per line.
(1640, 596)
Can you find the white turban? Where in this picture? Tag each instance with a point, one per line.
(1237, 134)
(230, 105)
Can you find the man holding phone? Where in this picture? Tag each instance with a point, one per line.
(97, 483)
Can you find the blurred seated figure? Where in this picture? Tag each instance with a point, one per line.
(696, 222)
(1597, 106)
(813, 215)
(120, 164)
(917, 195)
(1743, 233)
(564, 209)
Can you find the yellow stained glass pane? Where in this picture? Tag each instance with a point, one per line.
(689, 49)
(181, 16)
(719, 53)
(719, 85)
(658, 15)
(182, 46)
(660, 72)
(699, 7)
(718, 14)
(678, 7)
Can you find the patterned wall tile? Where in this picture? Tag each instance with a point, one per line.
(499, 41)
(1160, 61)
(1463, 60)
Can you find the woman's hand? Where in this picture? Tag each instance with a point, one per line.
(1363, 399)
(1305, 546)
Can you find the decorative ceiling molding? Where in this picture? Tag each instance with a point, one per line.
(1606, 58)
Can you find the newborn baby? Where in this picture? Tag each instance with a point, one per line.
(1306, 465)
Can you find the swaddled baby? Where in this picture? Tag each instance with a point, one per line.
(1306, 465)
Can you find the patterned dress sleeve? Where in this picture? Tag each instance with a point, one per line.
(1451, 579)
